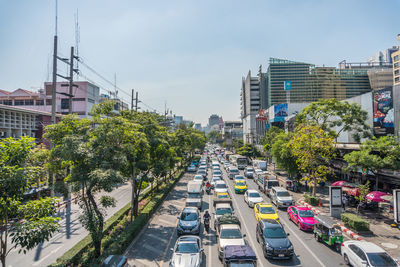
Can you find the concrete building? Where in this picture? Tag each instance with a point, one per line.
(231, 131)
(396, 88)
(380, 78)
(213, 120)
(198, 127)
(384, 56)
(178, 120)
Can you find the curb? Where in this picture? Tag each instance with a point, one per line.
(312, 208)
(350, 233)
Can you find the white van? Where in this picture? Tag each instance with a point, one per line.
(194, 191)
(260, 164)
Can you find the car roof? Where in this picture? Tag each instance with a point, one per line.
(223, 205)
(265, 205)
(220, 182)
(368, 247)
(190, 209)
(270, 223)
(278, 188)
(252, 191)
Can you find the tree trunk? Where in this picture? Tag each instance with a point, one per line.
(3, 252)
(314, 193)
(97, 234)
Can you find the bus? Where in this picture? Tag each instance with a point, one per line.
(239, 161)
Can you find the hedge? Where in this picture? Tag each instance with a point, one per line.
(354, 222)
(312, 200)
(115, 240)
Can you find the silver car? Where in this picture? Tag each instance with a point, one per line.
(187, 252)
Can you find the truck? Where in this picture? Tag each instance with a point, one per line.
(266, 181)
(222, 197)
(239, 161)
(194, 191)
(260, 164)
(228, 233)
(239, 256)
(221, 209)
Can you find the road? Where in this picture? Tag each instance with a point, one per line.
(70, 233)
(152, 247)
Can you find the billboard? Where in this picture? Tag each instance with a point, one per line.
(383, 112)
(287, 85)
(281, 111)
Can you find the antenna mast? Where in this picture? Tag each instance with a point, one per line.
(77, 37)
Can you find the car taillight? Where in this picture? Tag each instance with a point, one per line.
(342, 245)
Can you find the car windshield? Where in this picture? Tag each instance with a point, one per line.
(201, 171)
(221, 185)
(250, 170)
(283, 194)
(216, 179)
(240, 184)
(189, 216)
(223, 211)
(267, 210)
(194, 195)
(217, 172)
(230, 234)
(198, 177)
(234, 171)
(254, 195)
(306, 213)
(381, 259)
(273, 183)
(241, 263)
(239, 177)
(275, 232)
(222, 196)
(187, 248)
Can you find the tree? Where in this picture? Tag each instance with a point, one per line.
(313, 148)
(364, 190)
(334, 117)
(249, 150)
(270, 136)
(282, 153)
(32, 220)
(375, 155)
(214, 137)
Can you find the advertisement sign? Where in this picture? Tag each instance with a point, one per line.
(383, 112)
(281, 111)
(335, 196)
(396, 205)
(287, 85)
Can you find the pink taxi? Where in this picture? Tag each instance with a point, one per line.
(302, 216)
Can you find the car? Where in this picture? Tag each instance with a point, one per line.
(189, 222)
(202, 173)
(203, 168)
(239, 177)
(187, 252)
(198, 177)
(363, 253)
(214, 180)
(252, 197)
(191, 168)
(302, 216)
(222, 209)
(274, 240)
(216, 168)
(220, 186)
(249, 172)
(233, 171)
(281, 197)
(264, 211)
(229, 234)
(115, 261)
(217, 173)
(240, 186)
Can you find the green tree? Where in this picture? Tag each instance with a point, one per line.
(375, 155)
(270, 136)
(249, 150)
(334, 117)
(282, 153)
(364, 190)
(313, 148)
(32, 220)
(214, 137)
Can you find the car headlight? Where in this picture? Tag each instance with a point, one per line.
(179, 227)
(268, 247)
(196, 227)
(290, 247)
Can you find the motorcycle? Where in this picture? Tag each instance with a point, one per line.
(207, 224)
(208, 190)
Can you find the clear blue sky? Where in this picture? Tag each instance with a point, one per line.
(189, 53)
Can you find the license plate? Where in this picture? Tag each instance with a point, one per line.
(281, 255)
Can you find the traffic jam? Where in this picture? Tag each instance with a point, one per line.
(237, 214)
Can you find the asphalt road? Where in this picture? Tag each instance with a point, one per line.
(152, 247)
(70, 233)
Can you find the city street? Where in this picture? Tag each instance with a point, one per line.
(70, 233)
(152, 248)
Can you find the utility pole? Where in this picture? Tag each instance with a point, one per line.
(134, 186)
(136, 99)
(132, 98)
(53, 88)
(71, 79)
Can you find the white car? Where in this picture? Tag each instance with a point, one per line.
(187, 252)
(362, 253)
(198, 177)
(214, 180)
(229, 235)
(191, 168)
(252, 197)
(220, 187)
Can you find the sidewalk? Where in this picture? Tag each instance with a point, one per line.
(381, 234)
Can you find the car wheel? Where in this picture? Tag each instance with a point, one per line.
(346, 260)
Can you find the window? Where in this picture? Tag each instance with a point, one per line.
(90, 100)
(396, 72)
(7, 102)
(396, 58)
(18, 102)
(64, 103)
(396, 65)
(397, 79)
(48, 102)
(78, 99)
(29, 102)
(39, 102)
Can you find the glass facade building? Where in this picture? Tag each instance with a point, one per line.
(310, 83)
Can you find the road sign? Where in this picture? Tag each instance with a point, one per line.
(287, 85)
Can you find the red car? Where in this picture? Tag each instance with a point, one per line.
(302, 216)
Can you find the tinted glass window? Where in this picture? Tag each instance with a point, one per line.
(275, 232)
(381, 259)
(283, 194)
(189, 216)
(194, 195)
(273, 184)
(220, 186)
(230, 234)
(267, 210)
(240, 183)
(223, 211)
(306, 213)
(254, 195)
(187, 248)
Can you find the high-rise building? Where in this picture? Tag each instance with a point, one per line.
(396, 64)
(396, 88)
(383, 57)
(213, 120)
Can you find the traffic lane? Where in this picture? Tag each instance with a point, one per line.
(308, 251)
(70, 233)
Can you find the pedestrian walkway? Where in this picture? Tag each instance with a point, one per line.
(151, 246)
(381, 234)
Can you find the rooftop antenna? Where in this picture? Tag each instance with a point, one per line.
(56, 18)
(77, 37)
(115, 85)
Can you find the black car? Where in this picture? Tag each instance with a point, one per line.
(273, 239)
(189, 222)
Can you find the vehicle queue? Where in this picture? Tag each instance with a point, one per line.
(270, 233)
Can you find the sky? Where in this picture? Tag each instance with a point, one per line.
(189, 55)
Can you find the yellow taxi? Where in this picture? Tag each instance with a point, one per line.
(265, 211)
(240, 186)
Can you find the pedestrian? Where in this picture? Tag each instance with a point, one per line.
(344, 201)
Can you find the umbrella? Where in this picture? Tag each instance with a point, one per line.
(388, 198)
(344, 184)
(354, 192)
(376, 196)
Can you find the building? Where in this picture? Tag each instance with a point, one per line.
(119, 104)
(213, 120)
(231, 131)
(178, 120)
(384, 56)
(198, 127)
(396, 88)
(396, 64)
(380, 78)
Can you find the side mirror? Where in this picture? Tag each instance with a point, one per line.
(171, 249)
(244, 235)
(364, 263)
(178, 217)
(287, 234)
(202, 249)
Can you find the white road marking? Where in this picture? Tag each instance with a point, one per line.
(209, 246)
(151, 248)
(157, 237)
(168, 223)
(48, 255)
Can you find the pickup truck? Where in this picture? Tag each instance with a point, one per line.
(228, 233)
(239, 256)
(220, 210)
(223, 197)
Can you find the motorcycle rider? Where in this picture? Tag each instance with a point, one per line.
(206, 219)
(208, 186)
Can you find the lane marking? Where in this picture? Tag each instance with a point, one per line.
(45, 257)
(151, 248)
(168, 223)
(157, 237)
(209, 246)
